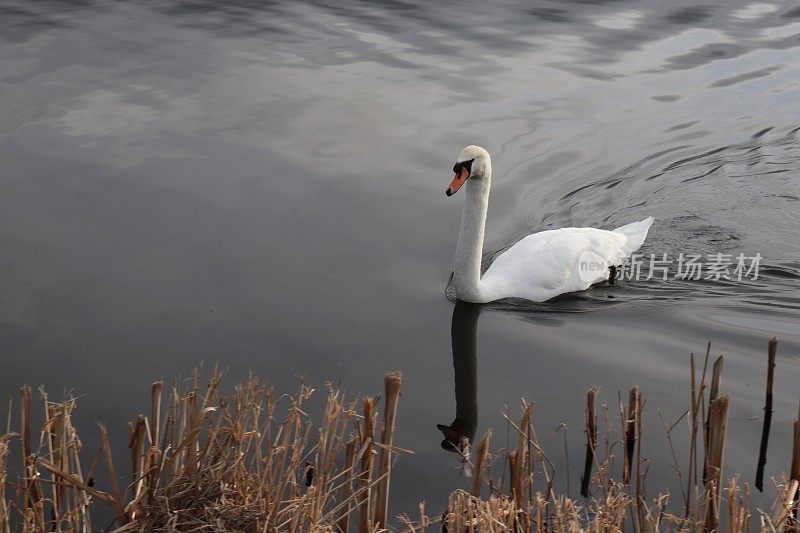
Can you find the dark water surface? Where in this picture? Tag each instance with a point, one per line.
(262, 184)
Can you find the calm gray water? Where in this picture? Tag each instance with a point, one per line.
(262, 184)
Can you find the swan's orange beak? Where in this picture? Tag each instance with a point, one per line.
(458, 180)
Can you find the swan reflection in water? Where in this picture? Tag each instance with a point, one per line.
(464, 339)
(463, 332)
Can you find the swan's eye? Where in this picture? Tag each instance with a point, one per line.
(464, 164)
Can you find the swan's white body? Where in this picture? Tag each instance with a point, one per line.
(540, 266)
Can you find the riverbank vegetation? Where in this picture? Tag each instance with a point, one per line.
(255, 461)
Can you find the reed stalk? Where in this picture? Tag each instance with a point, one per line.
(717, 427)
(392, 383)
(591, 439)
(631, 424)
(762, 453)
(794, 472)
(481, 458)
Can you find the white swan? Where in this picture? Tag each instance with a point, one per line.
(541, 265)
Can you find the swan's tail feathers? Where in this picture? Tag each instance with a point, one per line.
(636, 233)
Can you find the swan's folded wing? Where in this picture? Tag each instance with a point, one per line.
(545, 264)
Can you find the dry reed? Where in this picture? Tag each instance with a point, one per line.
(762, 454)
(256, 462)
(204, 462)
(622, 503)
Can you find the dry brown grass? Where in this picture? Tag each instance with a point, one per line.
(203, 462)
(618, 499)
(255, 462)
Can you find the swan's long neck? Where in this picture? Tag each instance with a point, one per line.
(467, 272)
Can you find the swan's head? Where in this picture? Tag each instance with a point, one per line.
(472, 162)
